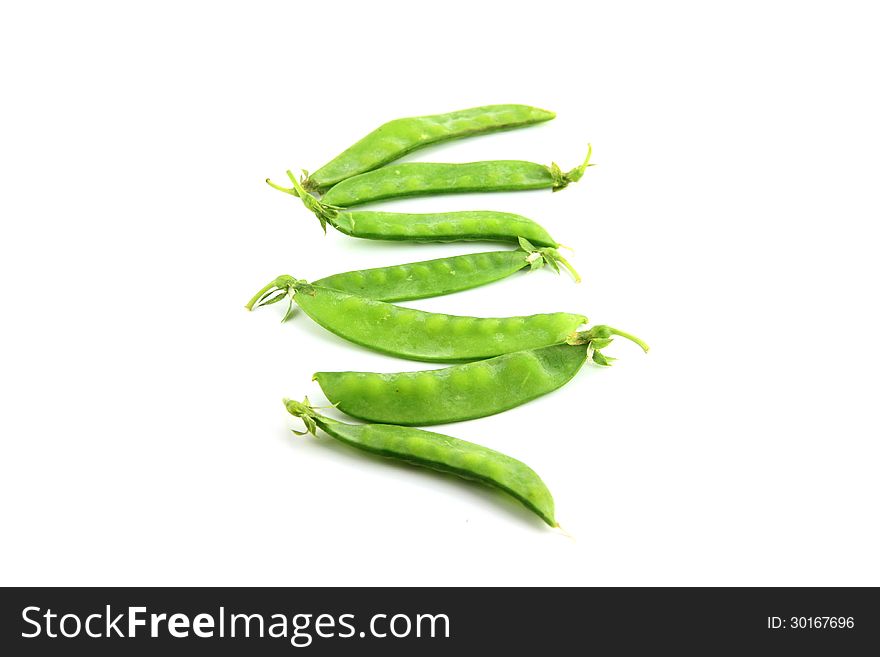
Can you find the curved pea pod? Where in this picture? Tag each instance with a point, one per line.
(394, 139)
(431, 278)
(415, 334)
(463, 226)
(437, 452)
(468, 391)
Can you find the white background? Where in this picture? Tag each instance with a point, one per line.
(730, 222)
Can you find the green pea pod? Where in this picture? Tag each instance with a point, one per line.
(438, 452)
(431, 278)
(396, 138)
(415, 334)
(429, 178)
(468, 391)
(470, 225)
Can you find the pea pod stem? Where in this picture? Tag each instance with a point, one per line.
(631, 338)
(326, 213)
(258, 299)
(283, 287)
(286, 190)
(538, 257)
(599, 337)
(561, 180)
(276, 290)
(568, 266)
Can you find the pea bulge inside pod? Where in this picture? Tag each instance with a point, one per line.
(428, 278)
(469, 390)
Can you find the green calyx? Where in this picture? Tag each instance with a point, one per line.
(599, 337)
(538, 257)
(282, 287)
(561, 179)
(326, 213)
(306, 412)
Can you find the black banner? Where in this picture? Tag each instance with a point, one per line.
(113, 621)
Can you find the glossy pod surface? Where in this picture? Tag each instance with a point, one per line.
(439, 452)
(429, 278)
(431, 337)
(424, 178)
(396, 138)
(456, 393)
(460, 226)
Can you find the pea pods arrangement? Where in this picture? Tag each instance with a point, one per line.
(497, 363)
(462, 226)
